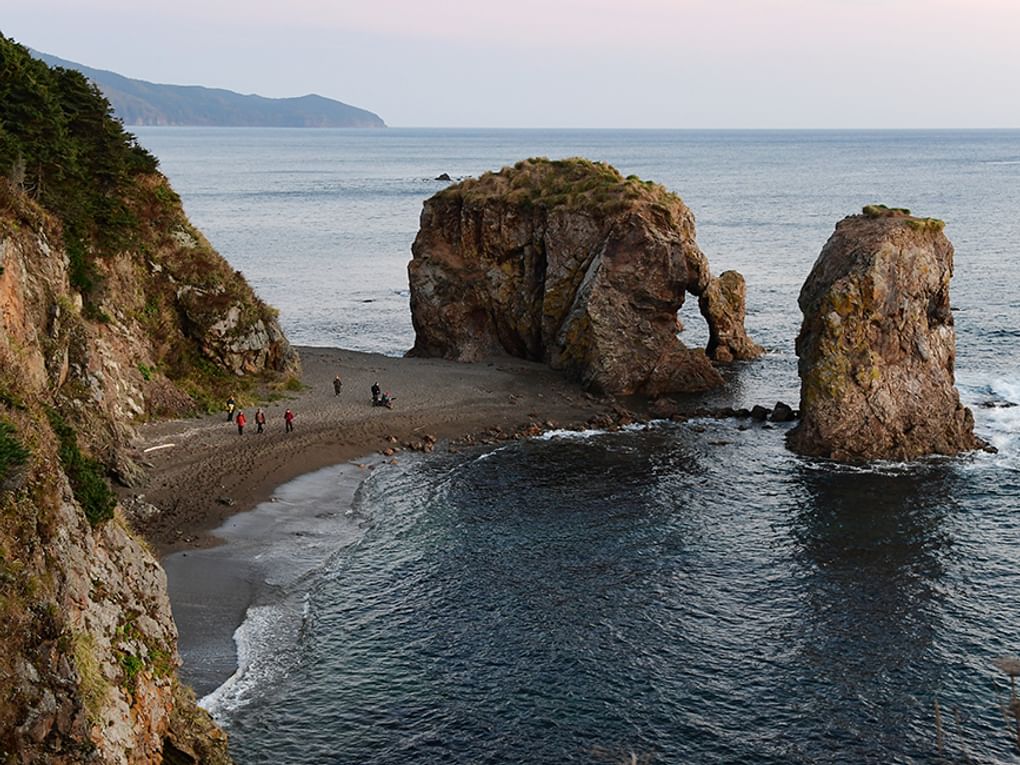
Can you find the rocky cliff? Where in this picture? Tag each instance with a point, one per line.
(112, 309)
(877, 345)
(569, 263)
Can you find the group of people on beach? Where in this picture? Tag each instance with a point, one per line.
(238, 418)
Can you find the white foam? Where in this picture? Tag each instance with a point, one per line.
(582, 435)
(996, 407)
(287, 544)
(267, 643)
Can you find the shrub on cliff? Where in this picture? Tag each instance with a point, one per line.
(12, 453)
(85, 474)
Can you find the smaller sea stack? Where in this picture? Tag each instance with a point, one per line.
(877, 346)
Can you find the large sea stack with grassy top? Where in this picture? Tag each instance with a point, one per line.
(570, 263)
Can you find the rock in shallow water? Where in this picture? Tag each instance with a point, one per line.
(877, 346)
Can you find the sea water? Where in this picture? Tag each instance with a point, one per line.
(677, 593)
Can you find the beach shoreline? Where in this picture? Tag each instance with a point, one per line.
(200, 471)
(223, 522)
(259, 574)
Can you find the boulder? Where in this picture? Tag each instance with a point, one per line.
(568, 263)
(782, 413)
(877, 346)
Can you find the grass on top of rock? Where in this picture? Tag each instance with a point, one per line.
(882, 211)
(918, 224)
(574, 183)
(926, 224)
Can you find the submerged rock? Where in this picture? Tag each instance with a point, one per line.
(877, 346)
(571, 264)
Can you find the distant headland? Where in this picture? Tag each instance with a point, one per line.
(138, 102)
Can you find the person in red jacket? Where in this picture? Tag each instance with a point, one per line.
(288, 418)
(241, 420)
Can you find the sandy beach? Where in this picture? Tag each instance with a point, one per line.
(210, 472)
(202, 473)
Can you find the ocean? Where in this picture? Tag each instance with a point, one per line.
(677, 593)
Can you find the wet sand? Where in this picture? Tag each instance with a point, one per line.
(210, 472)
(266, 555)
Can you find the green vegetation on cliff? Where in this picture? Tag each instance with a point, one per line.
(71, 174)
(12, 453)
(85, 474)
(60, 142)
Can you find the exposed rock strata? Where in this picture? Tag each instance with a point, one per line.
(88, 654)
(569, 263)
(877, 346)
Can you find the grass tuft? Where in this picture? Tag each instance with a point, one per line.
(12, 453)
(881, 211)
(86, 475)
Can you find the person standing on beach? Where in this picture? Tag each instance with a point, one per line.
(241, 420)
(288, 419)
(260, 420)
(376, 393)
(231, 406)
(337, 385)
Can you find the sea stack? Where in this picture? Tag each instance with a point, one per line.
(569, 263)
(877, 346)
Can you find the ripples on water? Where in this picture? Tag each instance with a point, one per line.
(579, 599)
(687, 593)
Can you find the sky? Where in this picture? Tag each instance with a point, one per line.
(568, 63)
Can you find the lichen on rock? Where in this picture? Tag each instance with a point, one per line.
(569, 263)
(877, 346)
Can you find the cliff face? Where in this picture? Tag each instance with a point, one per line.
(88, 655)
(112, 308)
(877, 346)
(568, 263)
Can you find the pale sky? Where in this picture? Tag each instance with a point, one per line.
(569, 63)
